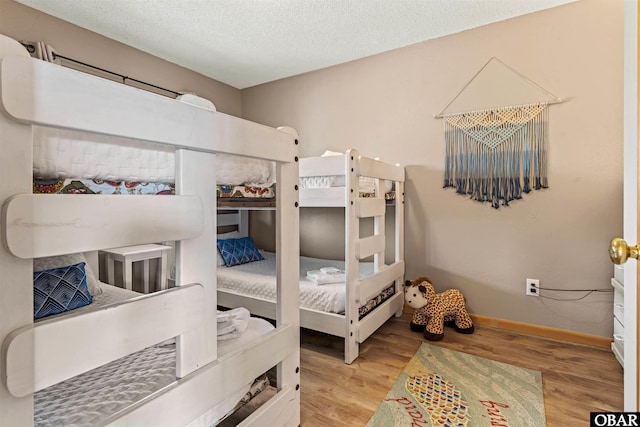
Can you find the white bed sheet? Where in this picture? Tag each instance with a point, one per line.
(257, 279)
(60, 153)
(92, 397)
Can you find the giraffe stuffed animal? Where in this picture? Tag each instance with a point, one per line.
(433, 310)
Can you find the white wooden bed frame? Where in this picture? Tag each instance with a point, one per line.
(347, 325)
(35, 355)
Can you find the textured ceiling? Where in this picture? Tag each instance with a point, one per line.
(248, 42)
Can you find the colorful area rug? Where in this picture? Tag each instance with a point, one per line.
(441, 387)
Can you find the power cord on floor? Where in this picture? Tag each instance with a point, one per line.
(588, 292)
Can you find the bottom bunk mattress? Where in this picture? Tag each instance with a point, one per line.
(97, 396)
(258, 279)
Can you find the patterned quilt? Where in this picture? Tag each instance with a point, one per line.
(99, 186)
(239, 192)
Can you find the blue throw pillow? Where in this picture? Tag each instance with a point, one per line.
(238, 251)
(59, 289)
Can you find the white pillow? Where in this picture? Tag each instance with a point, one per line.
(40, 264)
(230, 235)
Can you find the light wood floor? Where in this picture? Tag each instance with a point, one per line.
(577, 379)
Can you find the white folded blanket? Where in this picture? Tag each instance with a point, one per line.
(326, 275)
(232, 323)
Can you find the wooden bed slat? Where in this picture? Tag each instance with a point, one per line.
(322, 166)
(377, 169)
(374, 284)
(213, 380)
(40, 225)
(254, 205)
(321, 321)
(66, 346)
(368, 246)
(372, 321)
(368, 207)
(322, 197)
(274, 412)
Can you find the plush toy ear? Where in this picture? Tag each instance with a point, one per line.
(408, 283)
(425, 281)
(423, 289)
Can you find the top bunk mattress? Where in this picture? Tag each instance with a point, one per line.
(60, 153)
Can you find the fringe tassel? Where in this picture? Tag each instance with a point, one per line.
(496, 155)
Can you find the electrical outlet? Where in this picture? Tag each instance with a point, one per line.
(532, 287)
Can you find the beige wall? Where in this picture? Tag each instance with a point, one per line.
(384, 105)
(23, 23)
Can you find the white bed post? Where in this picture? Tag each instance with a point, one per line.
(288, 273)
(352, 235)
(243, 222)
(399, 235)
(195, 259)
(16, 275)
(379, 230)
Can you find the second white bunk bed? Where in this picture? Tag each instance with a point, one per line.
(178, 324)
(372, 291)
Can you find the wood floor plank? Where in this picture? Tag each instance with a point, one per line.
(576, 379)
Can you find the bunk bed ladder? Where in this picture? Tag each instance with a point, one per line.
(358, 249)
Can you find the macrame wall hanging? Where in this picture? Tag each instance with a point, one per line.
(494, 155)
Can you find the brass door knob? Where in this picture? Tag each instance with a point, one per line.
(619, 251)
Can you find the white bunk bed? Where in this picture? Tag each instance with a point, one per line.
(361, 286)
(38, 355)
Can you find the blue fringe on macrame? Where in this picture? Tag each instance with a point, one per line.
(496, 155)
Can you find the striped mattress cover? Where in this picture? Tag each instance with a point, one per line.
(257, 279)
(98, 395)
